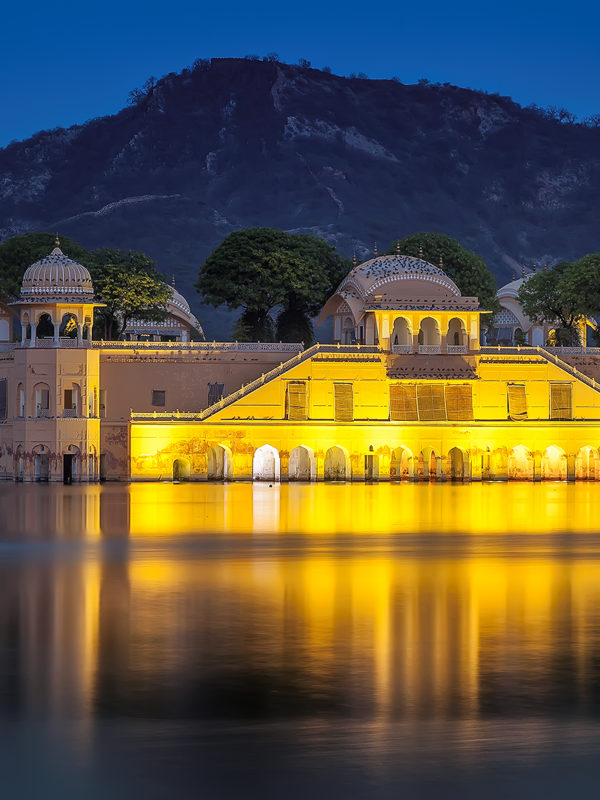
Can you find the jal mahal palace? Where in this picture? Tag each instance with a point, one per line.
(405, 391)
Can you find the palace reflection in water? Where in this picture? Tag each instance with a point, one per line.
(380, 603)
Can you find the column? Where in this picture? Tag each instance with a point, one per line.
(32, 338)
(79, 334)
(23, 333)
(56, 334)
(571, 467)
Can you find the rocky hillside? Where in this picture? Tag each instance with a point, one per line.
(236, 143)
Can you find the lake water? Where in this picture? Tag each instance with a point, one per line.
(213, 641)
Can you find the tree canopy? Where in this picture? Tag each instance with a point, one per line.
(126, 280)
(262, 269)
(468, 270)
(564, 296)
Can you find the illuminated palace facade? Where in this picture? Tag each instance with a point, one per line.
(404, 392)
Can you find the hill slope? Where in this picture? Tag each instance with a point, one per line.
(238, 143)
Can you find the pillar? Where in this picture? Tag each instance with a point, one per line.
(23, 334)
(79, 334)
(56, 334)
(571, 468)
(537, 467)
(32, 337)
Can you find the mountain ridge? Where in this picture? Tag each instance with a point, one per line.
(235, 143)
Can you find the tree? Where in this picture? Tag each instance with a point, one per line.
(129, 284)
(551, 296)
(468, 270)
(20, 252)
(261, 269)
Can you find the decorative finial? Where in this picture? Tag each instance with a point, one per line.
(354, 259)
(514, 276)
(397, 247)
(441, 262)
(375, 250)
(420, 250)
(56, 241)
(533, 269)
(545, 267)
(522, 270)
(173, 281)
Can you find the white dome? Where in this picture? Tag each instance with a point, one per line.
(57, 277)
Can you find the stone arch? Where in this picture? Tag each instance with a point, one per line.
(92, 464)
(458, 464)
(266, 465)
(401, 464)
(520, 464)
(72, 399)
(302, 464)
(430, 464)
(181, 470)
(554, 464)
(68, 325)
(92, 402)
(19, 464)
(41, 463)
(347, 330)
(337, 464)
(456, 335)
(4, 330)
(370, 329)
(44, 328)
(401, 332)
(219, 463)
(42, 400)
(586, 464)
(429, 332)
(72, 458)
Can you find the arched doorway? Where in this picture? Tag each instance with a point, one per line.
(265, 464)
(219, 466)
(586, 463)
(181, 469)
(520, 464)
(41, 463)
(430, 467)
(458, 464)
(92, 469)
(401, 333)
(68, 326)
(302, 464)
(348, 331)
(337, 464)
(554, 464)
(44, 328)
(429, 333)
(401, 464)
(457, 333)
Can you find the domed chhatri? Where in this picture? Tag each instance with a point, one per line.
(57, 277)
(403, 303)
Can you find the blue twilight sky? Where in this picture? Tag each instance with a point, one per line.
(64, 62)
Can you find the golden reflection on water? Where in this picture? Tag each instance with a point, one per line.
(148, 618)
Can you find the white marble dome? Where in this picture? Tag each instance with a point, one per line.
(57, 277)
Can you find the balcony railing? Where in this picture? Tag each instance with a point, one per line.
(402, 348)
(429, 349)
(42, 413)
(70, 412)
(456, 349)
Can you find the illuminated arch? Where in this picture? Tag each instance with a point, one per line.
(429, 332)
(401, 464)
(401, 332)
(586, 464)
(520, 464)
(181, 469)
(458, 464)
(220, 463)
(302, 464)
(266, 464)
(554, 464)
(457, 332)
(430, 464)
(337, 464)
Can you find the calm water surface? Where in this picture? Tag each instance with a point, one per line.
(213, 641)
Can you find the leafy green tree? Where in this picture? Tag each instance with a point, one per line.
(556, 296)
(128, 282)
(20, 252)
(263, 269)
(468, 270)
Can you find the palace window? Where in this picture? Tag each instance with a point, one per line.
(159, 397)
(517, 401)
(3, 398)
(459, 402)
(343, 402)
(403, 402)
(102, 403)
(295, 401)
(430, 399)
(561, 405)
